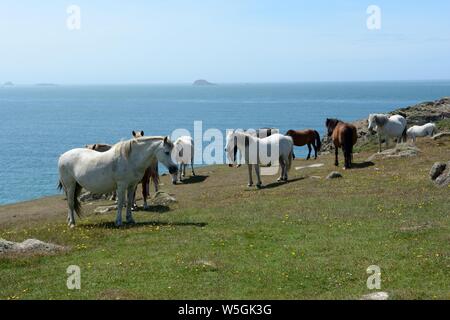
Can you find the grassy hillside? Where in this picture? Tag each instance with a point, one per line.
(310, 238)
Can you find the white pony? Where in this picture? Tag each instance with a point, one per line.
(389, 127)
(121, 168)
(184, 154)
(255, 151)
(428, 129)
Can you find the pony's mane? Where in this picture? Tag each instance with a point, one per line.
(333, 122)
(125, 147)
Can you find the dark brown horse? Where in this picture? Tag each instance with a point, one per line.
(343, 135)
(151, 173)
(306, 137)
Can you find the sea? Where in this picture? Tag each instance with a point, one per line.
(39, 123)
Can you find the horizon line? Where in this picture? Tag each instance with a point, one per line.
(53, 84)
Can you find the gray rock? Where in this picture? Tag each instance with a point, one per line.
(376, 296)
(162, 199)
(334, 175)
(400, 151)
(28, 246)
(88, 196)
(437, 169)
(105, 209)
(443, 179)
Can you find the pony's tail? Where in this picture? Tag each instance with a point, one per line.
(76, 201)
(404, 134)
(318, 142)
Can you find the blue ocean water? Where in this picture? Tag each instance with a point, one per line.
(40, 123)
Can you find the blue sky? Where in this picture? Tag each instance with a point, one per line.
(174, 41)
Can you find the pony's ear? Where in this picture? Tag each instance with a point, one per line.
(134, 134)
(165, 139)
(94, 147)
(142, 133)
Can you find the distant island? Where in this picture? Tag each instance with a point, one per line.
(8, 84)
(202, 82)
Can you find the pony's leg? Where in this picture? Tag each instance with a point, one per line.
(250, 178)
(336, 154)
(120, 203)
(70, 195)
(315, 151)
(281, 177)
(379, 143)
(179, 171)
(258, 176)
(309, 152)
(184, 170)
(134, 205)
(130, 200)
(192, 168)
(145, 193)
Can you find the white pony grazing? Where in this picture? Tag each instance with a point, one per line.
(428, 129)
(255, 151)
(389, 127)
(184, 154)
(121, 168)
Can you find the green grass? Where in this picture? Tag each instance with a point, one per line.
(443, 125)
(308, 239)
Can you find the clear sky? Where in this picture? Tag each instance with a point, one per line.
(178, 41)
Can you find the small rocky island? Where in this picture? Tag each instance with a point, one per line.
(202, 82)
(8, 84)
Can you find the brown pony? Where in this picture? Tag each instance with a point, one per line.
(343, 135)
(303, 137)
(151, 173)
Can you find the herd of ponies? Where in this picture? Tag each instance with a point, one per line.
(119, 168)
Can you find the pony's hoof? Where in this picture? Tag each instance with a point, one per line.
(250, 185)
(131, 221)
(259, 186)
(118, 224)
(72, 225)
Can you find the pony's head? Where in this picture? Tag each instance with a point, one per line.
(331, 125)
(372, 122)
(376, 120)
(164, 155)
